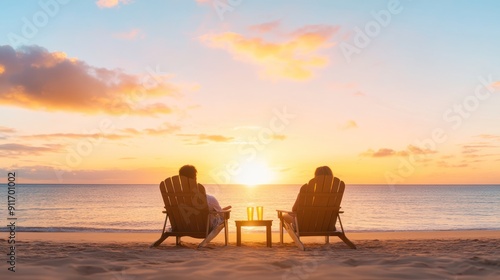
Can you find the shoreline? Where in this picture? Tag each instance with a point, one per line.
(253, 236)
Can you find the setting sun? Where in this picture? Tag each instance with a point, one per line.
(254, 173)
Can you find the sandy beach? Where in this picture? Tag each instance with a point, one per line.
(380, 255)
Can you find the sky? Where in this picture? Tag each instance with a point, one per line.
(250, 92)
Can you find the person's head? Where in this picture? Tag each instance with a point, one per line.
(323, 170)
(188, 171)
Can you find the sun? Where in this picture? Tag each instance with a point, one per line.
(254, 173)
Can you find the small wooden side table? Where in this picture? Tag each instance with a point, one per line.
(254, 223)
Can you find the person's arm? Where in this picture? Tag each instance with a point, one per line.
(213, 204)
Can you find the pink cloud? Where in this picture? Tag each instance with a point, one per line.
(37, 79)
(133, 34)
(103, 4)
(294, 58)
(266, 27)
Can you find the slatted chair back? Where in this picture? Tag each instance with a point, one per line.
(186, 205)
(319, 205)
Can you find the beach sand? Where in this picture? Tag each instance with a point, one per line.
(380, 255)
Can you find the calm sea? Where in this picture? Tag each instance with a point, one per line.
(138, 208)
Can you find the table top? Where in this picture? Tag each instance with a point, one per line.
(254, 222)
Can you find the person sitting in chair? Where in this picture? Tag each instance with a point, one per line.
(213, 205)
(322, 170)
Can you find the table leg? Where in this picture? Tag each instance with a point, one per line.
(238, 235)
(269, 236)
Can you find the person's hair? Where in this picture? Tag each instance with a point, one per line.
(188, 171)
(323, 170)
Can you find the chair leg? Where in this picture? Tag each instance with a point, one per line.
(177, 240)
(294, 235)
(327, 239)
(163, 234)
(226, 232)
(347, 241)
(281, 231)
(159, 241)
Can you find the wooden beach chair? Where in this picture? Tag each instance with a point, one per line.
(317, 211)
(187, 210)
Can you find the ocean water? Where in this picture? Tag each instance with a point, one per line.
(138, 208)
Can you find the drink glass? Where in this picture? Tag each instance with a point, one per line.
(250, 213)
(260, 213)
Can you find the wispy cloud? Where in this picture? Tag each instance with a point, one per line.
(387, 152)
(294, 58)
(279, 137)
(266, 27)
(4, 129)
(482, 148)
(198, 139)
(103, 4)
(350, 124)
(52, 136)
(14, 149)
(446, 164)
(37, 79)
(125, 133)
(132, 34)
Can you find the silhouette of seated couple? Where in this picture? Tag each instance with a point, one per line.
(213, 204)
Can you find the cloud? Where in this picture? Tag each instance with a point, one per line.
(279, 137)
(350, 124)
(164, 129)
(14, 149)
(103, 4)
(383, 152)
(198, 139)
(486, 147)
(496, 85)
(295, 58)
(52, 136)
(265, 27)
(133, 34)
(37, 79)
(445, 164)
(4, 129)
(386, 152)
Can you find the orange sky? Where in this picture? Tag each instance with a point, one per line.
(251, 93)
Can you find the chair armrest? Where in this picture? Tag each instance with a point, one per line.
(280, 212)
(226, 213)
